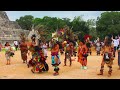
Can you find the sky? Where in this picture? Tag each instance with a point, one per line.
(13, 15)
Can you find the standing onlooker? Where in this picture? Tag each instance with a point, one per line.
(98, 47)
(116, 44)
(16, 44)
(119, 58)
(44, 47)
(0, 47)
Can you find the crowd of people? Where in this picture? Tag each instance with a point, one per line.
(82, 49)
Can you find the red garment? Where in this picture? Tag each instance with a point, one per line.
(82, 50)
(24, 51)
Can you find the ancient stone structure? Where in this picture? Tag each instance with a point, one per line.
(9, 30)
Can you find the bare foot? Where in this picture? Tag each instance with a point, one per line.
(118, 68)
(100, 74)
(32, 71)
(55, 74)
(28, 65)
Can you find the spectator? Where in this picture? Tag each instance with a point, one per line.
(16, 44)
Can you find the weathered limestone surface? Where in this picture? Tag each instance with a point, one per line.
(9, 30)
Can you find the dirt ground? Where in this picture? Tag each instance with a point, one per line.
(18, 70)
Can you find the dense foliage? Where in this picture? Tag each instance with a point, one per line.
(107, 24)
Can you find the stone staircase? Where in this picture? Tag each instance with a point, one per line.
(9, 30)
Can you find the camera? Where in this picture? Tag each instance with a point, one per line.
(12, 54)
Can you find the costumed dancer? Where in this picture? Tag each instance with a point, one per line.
(82, 54)
(33, 51)
(88, 43)
(63, 45)
(35, 60)
(107, 56)
(33, 44)
(68, 53)
(55, 58)
(39, 61)
(23, 48)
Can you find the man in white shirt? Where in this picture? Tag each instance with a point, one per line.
(116, 44)
(16, 44)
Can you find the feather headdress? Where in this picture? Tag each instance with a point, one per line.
(22, 36)
(87, 36)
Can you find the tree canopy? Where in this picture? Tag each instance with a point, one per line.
(108, 23)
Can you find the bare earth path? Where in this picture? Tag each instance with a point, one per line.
(18, 70)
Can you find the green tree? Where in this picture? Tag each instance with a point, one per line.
(67, 21)
(108, 23)
(37, 21)
(25, 22)
(92, 28)
(80, 26)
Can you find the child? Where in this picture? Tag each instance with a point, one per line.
(8, 53)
